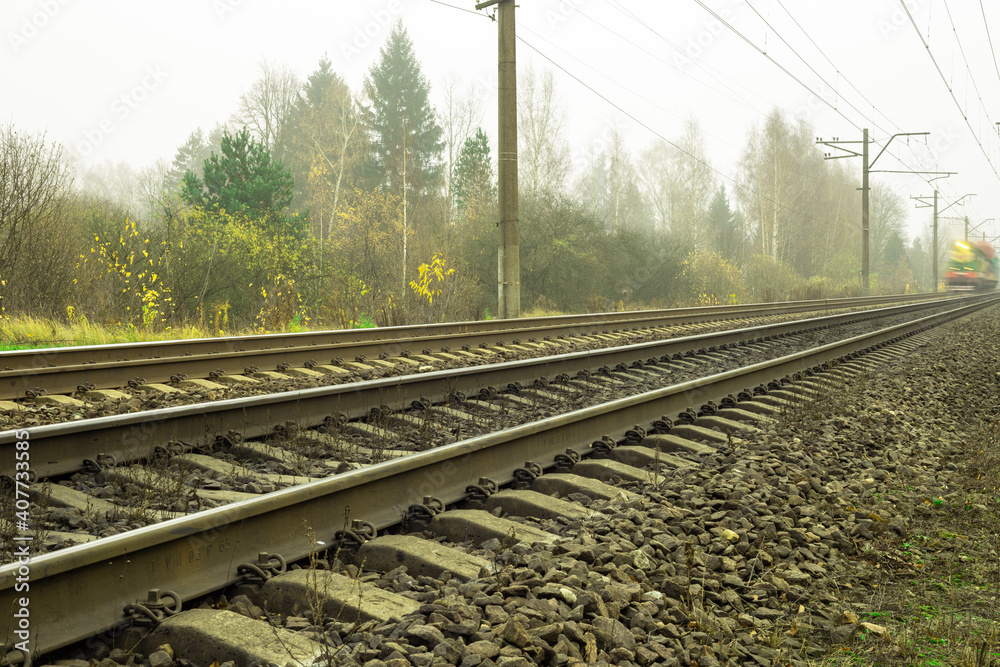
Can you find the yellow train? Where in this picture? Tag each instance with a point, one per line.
(972, 265)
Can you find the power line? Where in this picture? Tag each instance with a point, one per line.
(968, 69)
(950, 89)
(986, 25)
(461, 9)
(858, 90)
(806, 63)
(632, 16)
(629, 90)
(616, 106)
(646, 24)
(616, 82)
(786, 70)
(729, 179)
(811, 68)
(839, 73)
(705, 67)
(603, 26)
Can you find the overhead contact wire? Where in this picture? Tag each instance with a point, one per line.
(729, 179)
(951, 91)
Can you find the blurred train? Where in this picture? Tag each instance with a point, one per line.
(972, 265)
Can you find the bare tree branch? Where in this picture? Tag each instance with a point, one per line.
(266, 105)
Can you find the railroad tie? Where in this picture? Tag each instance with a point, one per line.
(671, 442)
(478, 526)
(693, 432)
(525, 502)
(420, 557)
(567, 483)
(611, 472)
(643, 456)
(337, 596)
(207, 636)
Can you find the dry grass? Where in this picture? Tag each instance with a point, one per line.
(937, 590)
(25, 332)
(39, 529)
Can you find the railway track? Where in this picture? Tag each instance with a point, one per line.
(61, 449)
(233, 533)
(66, 375)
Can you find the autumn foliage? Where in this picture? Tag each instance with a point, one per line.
(323, 206)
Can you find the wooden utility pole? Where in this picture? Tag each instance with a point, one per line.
(508, 255)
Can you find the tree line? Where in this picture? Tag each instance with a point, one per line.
(315, 204)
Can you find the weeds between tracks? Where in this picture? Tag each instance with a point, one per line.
(931, 595)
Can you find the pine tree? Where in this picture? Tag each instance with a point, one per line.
(243, 181)
(191, 156)
(326, 146)
(474, 183)
(723, 226)
(399, 112)
(322, 87)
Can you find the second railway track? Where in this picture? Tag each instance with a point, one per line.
(64, 448)
(86, 372)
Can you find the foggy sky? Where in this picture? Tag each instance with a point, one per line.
(129, 81)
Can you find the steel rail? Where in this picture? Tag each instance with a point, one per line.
(81, 591)
(114, 374)
(63, 370)
(59, 449)
(433, 334)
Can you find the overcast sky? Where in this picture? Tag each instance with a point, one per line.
(128, 80)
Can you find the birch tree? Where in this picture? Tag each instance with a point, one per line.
(461, 115)
(800, 209)
(680, 183)
(327, 147)
(771, 186)
(34, 197)
(543, 154)
(887, 217)
(610, 188)
(266, 105)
